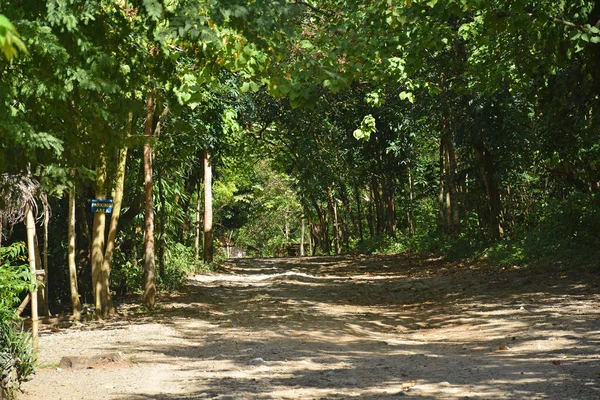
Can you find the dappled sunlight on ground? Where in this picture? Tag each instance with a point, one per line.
(353, 327)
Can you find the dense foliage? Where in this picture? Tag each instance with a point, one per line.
(467, 128)
(16, 356)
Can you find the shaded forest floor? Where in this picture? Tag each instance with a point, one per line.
(376, 327)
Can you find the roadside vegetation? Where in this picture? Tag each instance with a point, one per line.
(142, 141)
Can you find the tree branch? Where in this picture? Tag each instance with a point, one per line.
(313, 8)
(571, 24)
(554, 20)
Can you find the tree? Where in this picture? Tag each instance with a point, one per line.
(10, 42)
(149, 280)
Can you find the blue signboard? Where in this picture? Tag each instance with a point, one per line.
(102, 206)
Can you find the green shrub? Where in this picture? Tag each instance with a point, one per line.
(14, 274)
(179, 262)
(567, 231)
(380, 245)
(16, 351)
(17, 359)
(126, 274)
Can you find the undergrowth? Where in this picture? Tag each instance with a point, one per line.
(566, 232)
(17, 360)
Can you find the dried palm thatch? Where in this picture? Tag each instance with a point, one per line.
(18, 195)
(17, 192)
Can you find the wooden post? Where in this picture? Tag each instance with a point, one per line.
(30, 225)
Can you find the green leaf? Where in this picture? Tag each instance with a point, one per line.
(306, 44)
(9, 39)
(367, 127)
(153, 8)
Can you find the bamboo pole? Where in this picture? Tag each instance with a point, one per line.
(21, 308)
(30, 225)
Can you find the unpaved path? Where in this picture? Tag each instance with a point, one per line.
(342, 328)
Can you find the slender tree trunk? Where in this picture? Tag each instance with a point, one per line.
(390, 206)
(449, 159)
(109, 308)
(442, 211)
(371, 212)
(98, 232)
(76, 303)
(451, 183)
(311, 242)
(149, 276)
(162, 224)
(321, 230)
(198, 222)
(286, 228)
(359, 211)
(491, 189)
(83, 239)
(42, 297)
(378, 205)
(45, 308)
(349, 211)
(302, 237)
(208, 212)
(30, 225)
(410, 210)
(336, 226)
(161, 196)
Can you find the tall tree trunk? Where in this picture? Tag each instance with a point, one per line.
(109, 308)
(30, 225)
(442, 225)
(410, 209)
(161, 196)
(302, 236)
(83, 244)
(321, 230)
(491, 189)
(371, 211)
(198, 222)
(98, 232)
(45, 308)
(286, 228)
(358, 211)
(208, 212)
(149, 276)
(162, 225)
(311, 243)
(350, 215)
(75, 302)
(449, 160)
(378, 205)
(390, 205)
(452, 198)
(336, 225)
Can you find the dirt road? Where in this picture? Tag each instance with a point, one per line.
(342, 328)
